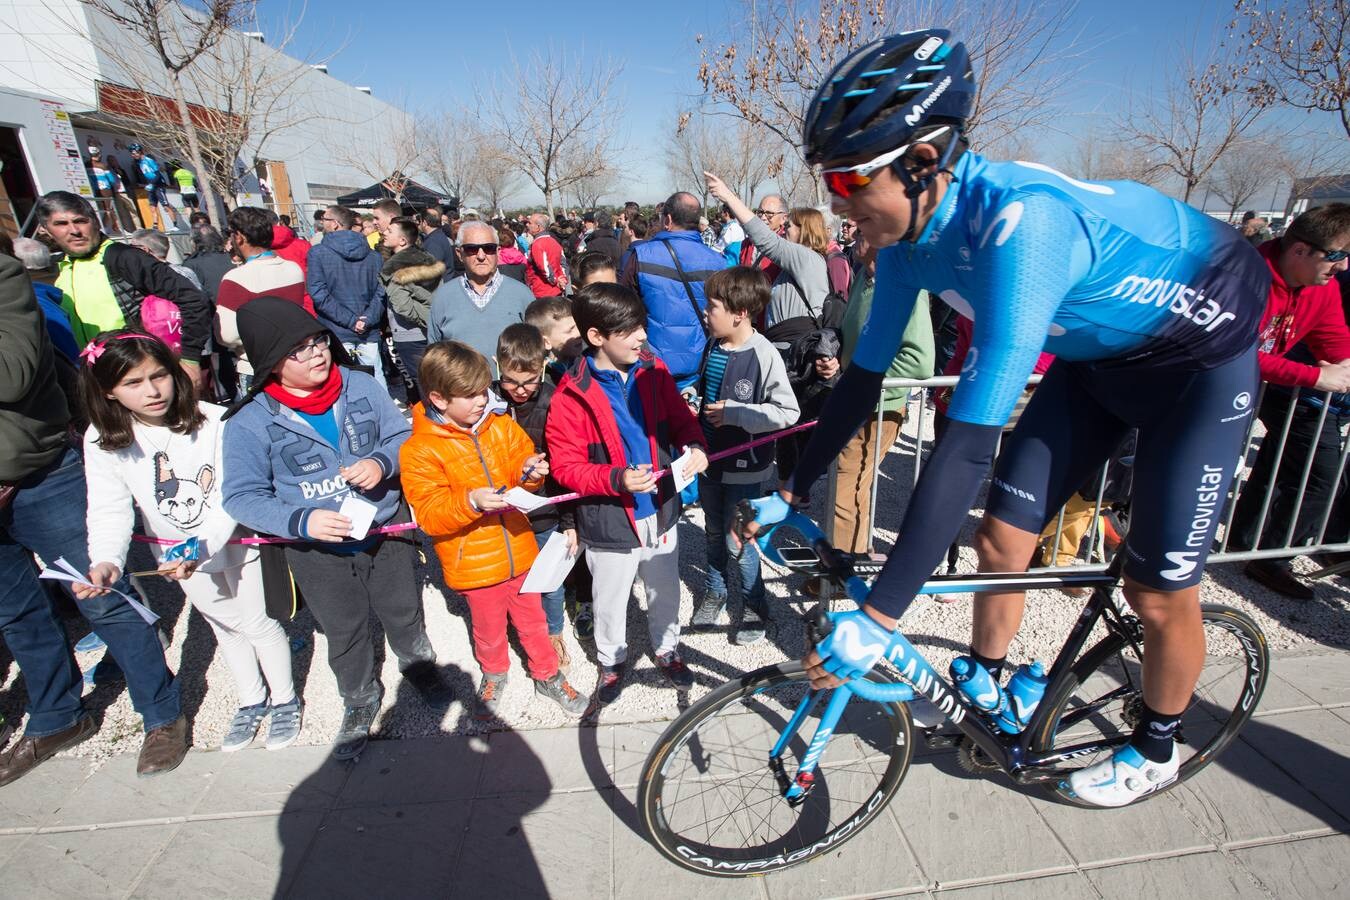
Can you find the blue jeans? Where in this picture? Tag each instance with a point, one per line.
(553, 600)
(47, 517)
(367, 353)
(719, 505)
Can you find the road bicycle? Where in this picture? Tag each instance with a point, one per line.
(764, 772)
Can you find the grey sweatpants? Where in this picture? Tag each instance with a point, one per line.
(657, 563)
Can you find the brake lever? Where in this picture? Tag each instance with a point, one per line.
(819, 625)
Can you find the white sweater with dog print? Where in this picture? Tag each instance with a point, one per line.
(175, 480)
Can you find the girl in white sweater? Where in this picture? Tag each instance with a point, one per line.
(152, 444)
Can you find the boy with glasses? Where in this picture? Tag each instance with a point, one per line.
(312, 444)
(521, 354)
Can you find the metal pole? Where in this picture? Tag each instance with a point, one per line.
(1307, 468)
(1238, 480)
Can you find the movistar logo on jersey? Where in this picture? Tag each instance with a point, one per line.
(1179, 298)
(916, 114)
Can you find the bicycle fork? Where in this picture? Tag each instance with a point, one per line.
(795, 790)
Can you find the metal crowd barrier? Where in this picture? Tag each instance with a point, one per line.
(920, 415)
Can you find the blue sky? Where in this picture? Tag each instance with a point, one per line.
(428, 54)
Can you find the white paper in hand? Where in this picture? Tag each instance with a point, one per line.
(524, 501)
(551, 566)
(677, 470)
(71, 574)
(362, 514)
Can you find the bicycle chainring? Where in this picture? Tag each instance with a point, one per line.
(972, 759)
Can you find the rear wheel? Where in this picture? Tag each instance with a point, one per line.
(1103, 697)
(711, 800)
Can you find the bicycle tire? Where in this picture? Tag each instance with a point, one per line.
(659, 791)
(1208, 725)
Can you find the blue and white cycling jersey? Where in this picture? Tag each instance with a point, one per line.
(1108, 272)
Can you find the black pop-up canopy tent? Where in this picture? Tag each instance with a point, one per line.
(414, 194)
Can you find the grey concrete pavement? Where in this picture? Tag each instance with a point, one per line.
(550, 813)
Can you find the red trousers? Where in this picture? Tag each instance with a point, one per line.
(490, 607)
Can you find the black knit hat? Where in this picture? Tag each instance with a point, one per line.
(270, 328)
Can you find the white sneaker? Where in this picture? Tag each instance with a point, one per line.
(1122, 779)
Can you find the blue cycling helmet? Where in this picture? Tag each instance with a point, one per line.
(135, 148)
(889, 93)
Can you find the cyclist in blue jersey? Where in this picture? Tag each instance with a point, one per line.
(1151, 309)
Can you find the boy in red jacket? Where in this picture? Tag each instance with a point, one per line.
(617, 417)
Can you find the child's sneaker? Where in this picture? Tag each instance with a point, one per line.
(244, 727)
(675, 670)
(752, 628)
(560, 692)
(609, 684)
(1124, 778)
(708, 613)
(285, 727)
(583, 623)
(354, 731)
(490, 693)
(89, 643)
(560, 648)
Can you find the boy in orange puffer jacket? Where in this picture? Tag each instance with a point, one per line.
(463, 454)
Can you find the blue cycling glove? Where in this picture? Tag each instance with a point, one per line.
(770, 510)
(855, 645)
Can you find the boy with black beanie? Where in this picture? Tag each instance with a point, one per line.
(313, 436)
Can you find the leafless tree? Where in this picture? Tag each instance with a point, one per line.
(1188, 126)
(1096, 154)
(245, 92)
(1247, 167)
(742, 154)
(395, 152)
(498, 177)
(179, 36)
(556, 119)
(767, 68)
(452, 143)
(1303, 50)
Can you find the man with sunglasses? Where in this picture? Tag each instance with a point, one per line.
(476, 307)
(772, 211)
(1151, 308)
(1304, 344)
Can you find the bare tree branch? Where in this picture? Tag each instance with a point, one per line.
(769, 65)
(556, 120)
(1199, 115)
(179, 35)
(1302, 50)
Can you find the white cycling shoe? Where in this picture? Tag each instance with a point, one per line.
(1122, 779)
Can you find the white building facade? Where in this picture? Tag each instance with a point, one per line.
(63, 68)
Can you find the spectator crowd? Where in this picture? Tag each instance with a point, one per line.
(418, 371)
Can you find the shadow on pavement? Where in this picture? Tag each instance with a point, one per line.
(406, 818)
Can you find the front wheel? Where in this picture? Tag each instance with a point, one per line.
(711, 800)
(1102, 699)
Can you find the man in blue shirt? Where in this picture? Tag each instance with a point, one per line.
(1151, 308)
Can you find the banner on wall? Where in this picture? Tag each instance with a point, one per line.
(66, 148)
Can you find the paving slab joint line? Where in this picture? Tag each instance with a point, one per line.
(1148, 857)
(143, 823)
(912, 891)
(1290, 838)
(1309, 707)
(985, 880)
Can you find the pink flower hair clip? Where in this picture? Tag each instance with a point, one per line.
(94, 349)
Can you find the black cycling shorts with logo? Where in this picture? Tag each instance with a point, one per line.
(1192, 425)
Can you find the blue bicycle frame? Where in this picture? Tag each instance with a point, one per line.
(1011, 752)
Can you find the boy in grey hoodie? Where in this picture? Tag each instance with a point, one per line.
(312, 434)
